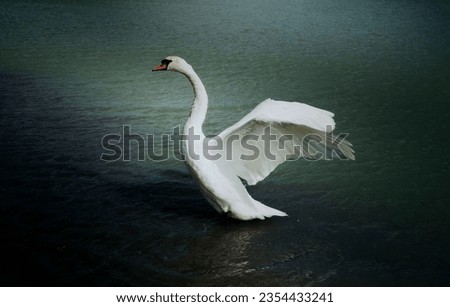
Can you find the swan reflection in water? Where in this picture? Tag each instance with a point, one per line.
(234, 253)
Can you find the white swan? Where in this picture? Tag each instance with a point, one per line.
(219, 179)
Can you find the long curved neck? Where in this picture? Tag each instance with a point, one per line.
(200, 104)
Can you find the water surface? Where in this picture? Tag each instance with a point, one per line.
(72, 72)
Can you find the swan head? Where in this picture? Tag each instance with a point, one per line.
(173, 63)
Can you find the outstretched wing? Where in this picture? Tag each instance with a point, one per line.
(276, 131)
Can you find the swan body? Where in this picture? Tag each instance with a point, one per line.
(219, 179)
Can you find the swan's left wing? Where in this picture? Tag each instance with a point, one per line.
(276, 131)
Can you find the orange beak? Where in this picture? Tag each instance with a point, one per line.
(160, 67)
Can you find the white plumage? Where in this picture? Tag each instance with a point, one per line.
(292, 126)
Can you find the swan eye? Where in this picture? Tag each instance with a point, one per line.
(166, 62)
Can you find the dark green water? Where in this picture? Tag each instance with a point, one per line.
(72, 72)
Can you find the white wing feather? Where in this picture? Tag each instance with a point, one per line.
(297, 120)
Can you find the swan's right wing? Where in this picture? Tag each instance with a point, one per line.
(276, 131)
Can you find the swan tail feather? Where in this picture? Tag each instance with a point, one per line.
(259, 211)
(266, 211)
